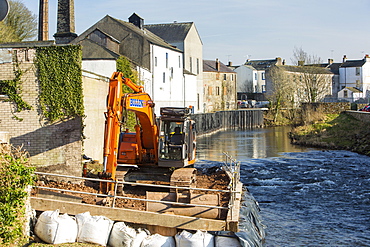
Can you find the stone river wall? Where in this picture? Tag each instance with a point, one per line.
(238, 119)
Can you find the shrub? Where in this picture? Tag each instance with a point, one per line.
(16, 175)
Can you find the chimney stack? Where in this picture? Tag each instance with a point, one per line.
(344, 58)
(230, 64)
(136, 20)
(217, 65)
(367, 58)
(65, 22)
(278, 61)
(330, 61)
(43, 32)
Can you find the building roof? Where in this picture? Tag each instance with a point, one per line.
(112, 31)
(171, 32)
(210, 66)
(93, 50)
(263, 64)
(353, 63)
(352, 89)
(305, 69)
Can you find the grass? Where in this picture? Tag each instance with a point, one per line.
(335, 131)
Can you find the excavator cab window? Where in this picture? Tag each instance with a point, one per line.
(171, 140)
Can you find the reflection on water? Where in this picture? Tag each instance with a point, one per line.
(254, 143)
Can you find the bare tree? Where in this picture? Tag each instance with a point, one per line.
(6, 33)
(300, 57)
(281, 91)
(21, 24)
(315, 83)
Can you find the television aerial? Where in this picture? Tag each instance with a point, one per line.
(4, 9)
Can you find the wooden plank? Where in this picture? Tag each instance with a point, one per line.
(203, 212)
(128, 215)
(234, 214)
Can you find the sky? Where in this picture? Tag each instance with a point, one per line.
(236, 30)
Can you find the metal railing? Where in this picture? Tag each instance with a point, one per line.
(116, 183)
(233, 167)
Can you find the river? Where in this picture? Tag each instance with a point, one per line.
(308, 197)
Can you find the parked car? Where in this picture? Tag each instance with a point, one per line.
(366, 108)
(262, 104)
(243, 104)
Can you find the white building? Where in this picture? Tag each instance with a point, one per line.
(355, 74)
(251, 76)
(185, 36)
(159, 64)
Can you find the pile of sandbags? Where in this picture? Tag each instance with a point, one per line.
(55, 228)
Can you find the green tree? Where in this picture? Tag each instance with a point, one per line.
(20, 24)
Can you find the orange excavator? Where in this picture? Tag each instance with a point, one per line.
(157, 146)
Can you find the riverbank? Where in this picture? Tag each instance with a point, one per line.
(335, 131)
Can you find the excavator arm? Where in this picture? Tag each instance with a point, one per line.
(131, 148)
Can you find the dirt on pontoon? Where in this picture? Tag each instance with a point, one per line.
(216, 179)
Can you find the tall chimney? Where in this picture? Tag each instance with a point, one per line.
(217, 65)
(330, 61)
(65, 22)
(344, 58)
(43, 32)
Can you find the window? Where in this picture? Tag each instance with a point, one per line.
(225, 77)
(345, 94)
(191, 64)
(217, 76)
(358, 70)
(171, 72)
(197, 66)
(217, 90)
(263, 75)
(255, 76)
(155, 62)
(164, 77)
(179, 61)
(166, 60)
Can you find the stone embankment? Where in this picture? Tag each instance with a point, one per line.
(221, 120)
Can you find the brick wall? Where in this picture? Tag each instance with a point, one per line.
(53, 147)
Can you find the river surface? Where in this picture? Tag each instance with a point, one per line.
(308, 197)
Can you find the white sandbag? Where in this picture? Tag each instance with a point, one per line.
(93, 229)
(53, 228)
(140, 236)
(158, 240)
(198, 239)
(121, 235)
(222, 241)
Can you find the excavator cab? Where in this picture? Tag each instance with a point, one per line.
(176, 137)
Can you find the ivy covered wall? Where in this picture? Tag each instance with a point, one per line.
(51, 84)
